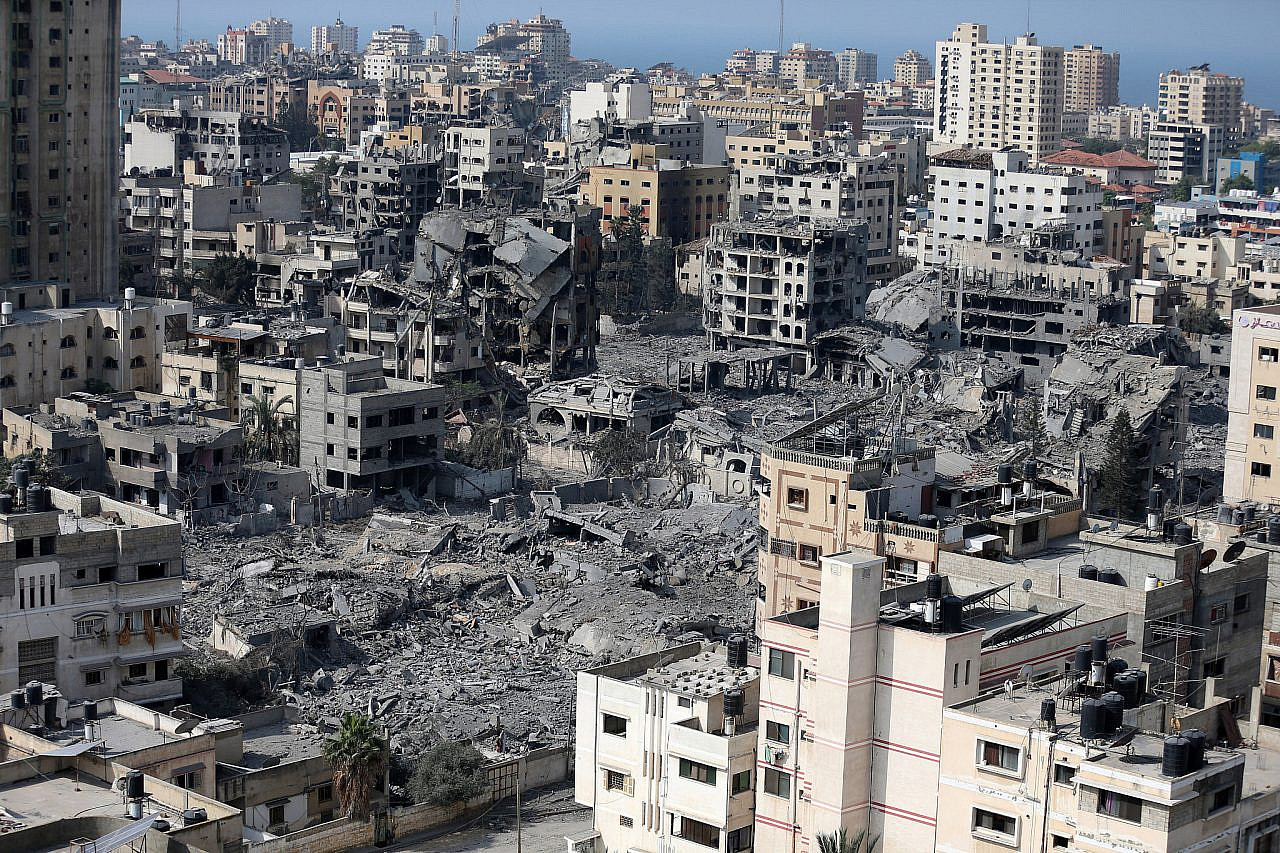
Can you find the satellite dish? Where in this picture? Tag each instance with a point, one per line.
(1207, 558)
(1233, 552)
(186, 726)
(1026, 585)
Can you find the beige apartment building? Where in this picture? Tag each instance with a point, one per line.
(1092, 79)
(61, 130)
(992, 95)
(805, 65)
(1252, 460)
(912, 69)
(810, 111)
(1200, 96)
(679, 200)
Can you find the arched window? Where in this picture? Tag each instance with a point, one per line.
(110, 334)
(110, 363)
(138, 361)
(138, 332)
(68, 342)
(68, 373)
(6, 350)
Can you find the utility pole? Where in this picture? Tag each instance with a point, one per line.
(177, 26)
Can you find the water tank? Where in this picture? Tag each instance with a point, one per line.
(1140, 678)
(130, 294)
(161, 825)
(193, 816)
(133, 787)
(1182, 533)
(1224, 513)
(18, 699)
(20, 476)
(933, 586)
(37, 499)
(6, 311)
(1098, 647)
(1113, 702)
(1237, 516)
(1126, 684)
(1199, 741)
(1029, 471)
(928, 520)
(1154, 499)
(1166, 528)
(90, 711)
(1088, 572)
(1111, 576)
(6, 503)
(1048, 711)
(1177, 756)
(1250, 512)
(1152, 582)
(737, 651)
(1115, 666)
(952, 614)
(1273, 529)
(1084, 657)
(1092, 719)
(35, 693)
(733, 703)
(299, 363)
(1004, 474)
(51, 712)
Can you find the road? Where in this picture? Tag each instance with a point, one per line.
(548, 818)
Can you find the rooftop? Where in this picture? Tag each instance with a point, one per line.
(702, 676)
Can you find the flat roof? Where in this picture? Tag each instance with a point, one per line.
(701, 676)
(282, 741)
(48, 799)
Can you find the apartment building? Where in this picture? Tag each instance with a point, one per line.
(812, 112)
(991, 95)
(912, 69)
(388, 188)
(778, 282)
(541, 40)
(1185, 151)
(483, 163)
(666, 749)
(678, 200)
(90, 595)
(343, 110)
(1253, 413)
(396, 39)
(362, 430)
(806, 65)
(1199, 96)
(158, 140)
(61, 132)
(1122, 123)
(276, 31)
(824, 186)
(855, 67)
(980, 196)
(262, 94)
(1092, 79)
(336, 37)
(243, 47)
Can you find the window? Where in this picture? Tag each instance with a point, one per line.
(23, 548)
(89, 626)
(1215, 668)
(150, 571)
(614, 725)
(617, 781)
(628, 822)
(998, 756)
(1223, 798)
(799, 498)
(1266, 392)
(276, 815)
(1218, 613)
(697, 771)
(1063, 774)
(994, 823)
(92, 678)
(324, 793)
(1241, 603)
(1060, 842)
(695, 831)
(739, 839)
(741, 782)
(777, 783)
(1120, 806)
(1260, 469)
(1268, 354)
(1264, 431)
(137, 670)
(782, 664)
(684, 702)
(777, 732)
(808, 553)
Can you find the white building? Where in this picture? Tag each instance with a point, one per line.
(622, 100)
(277, 31)
(214, 141)
(912, 69)
(992, 95)
(1182, 150)
(856, 67)
(396, 39)
(343, 38)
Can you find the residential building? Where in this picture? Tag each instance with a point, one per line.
(980, 196)
(1092, 79)
(243, 47)
(666, 749)
(90, 596)
(678, 200)
(388, 188)
(396, 39)
(974, 92)
(484, 163)
(811, 112)
(343, 109)
(624, 100)
(778, 282)
(541, 41)
(263, 94)
(912, 69)
(334, 37)
(1114, 169)
(1183, 151)
(214, 142)
(1199, 96)
(1254, 165)
(60, 155)
(1253, 417)
(905, 149)
(362, 430)
(276, 31)
(1122, 123)
(741, 61)
(805, 65)
(1122, 238)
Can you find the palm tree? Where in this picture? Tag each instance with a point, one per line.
(358, 756)
(269, 433)
(840, 842)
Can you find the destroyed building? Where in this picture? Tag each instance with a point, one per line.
(593, 403)
(865, 356)
(780, 282)
(388, 188)
(528, 286)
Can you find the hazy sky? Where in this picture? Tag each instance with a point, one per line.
(1151, 35)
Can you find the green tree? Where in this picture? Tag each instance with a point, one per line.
(1239, 182)
(295, 120)
(358, 756)
(1202, 320)
(1270, 148)
(270, 437)
(449, 773)
(1030, 424)
(1181, 191)
(229, 278)
(841, 842)
(1119, 480)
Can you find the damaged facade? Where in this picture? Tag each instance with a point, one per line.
(594, 403)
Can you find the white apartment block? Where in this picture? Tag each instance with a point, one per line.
(1092, 79)
(480, 158)
(1122, 123)
(805, 62)
(989, 96)
(1182, 150)
(396, 39)
(912, 69)
(856, 67)
(339, 36)
(214, 141)
(277, 31)
(980, 196)
(622, 100)
(1199, 96)
(666, 750)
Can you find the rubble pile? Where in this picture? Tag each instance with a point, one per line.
(472, 625)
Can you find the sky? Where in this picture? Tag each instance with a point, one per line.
(1151, 35)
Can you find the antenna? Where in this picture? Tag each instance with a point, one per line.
(177, 26)
(457, 12)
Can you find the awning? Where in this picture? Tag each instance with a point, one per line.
(187, 768)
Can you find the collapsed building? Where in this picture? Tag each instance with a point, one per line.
(594, 403)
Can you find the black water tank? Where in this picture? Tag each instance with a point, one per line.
(1115, 666)
(18, 699)
(6, 503)
(1048, 711)
(1083, 659)
(20, 476)
(1114, 703)
(35, 693)
(191, 816)
(928, 520)
(51, 712)
(90, 711)
(1199, 741)
(1092, 719)
(1166, 529)
(1126, 684)
(1029, 471)
(1250, 511)
(1273, 529)
(161, 825)
(1111, 576)
(733, 703)
(933, 586)
(1141, 676)
(952, 614)
(37, 499)
(134, 789)
(1154, 499)
(1004, 474)
(1177, 756)
(1098, 648)
(1182, 533)
(737, 651)
(1088, 572)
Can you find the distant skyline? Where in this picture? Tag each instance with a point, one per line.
(1150, 36)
